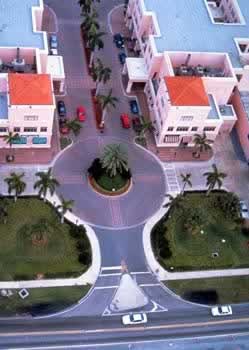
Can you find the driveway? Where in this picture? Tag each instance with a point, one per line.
(142, 200)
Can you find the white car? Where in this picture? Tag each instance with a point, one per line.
(134, 319)
(244, 210)
(221, 310)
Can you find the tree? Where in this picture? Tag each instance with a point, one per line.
(100, 73)
(15, 184)
(186, 181)
(64, 207)
(114, 159)
(94, 41)
(202, 143)
(86, 5)
(174, 202)
(74, 125)
(106, 101)
(10, 138)
(3, 210)
(146, 126)
(90, 19)
(214, 178)
(45, 183)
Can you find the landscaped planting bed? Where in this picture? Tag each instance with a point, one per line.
(228, 289)
(202, 232)
(34, 244)
(42, 300)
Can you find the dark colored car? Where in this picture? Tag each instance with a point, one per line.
(122, 57)
(118, 39)
(61, 108)
(137, 124)
(53, 41)
(134, 107)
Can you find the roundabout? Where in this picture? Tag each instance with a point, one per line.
(133, 207)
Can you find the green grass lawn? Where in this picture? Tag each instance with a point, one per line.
(21, 259)
(229, 289)
(108, 183)
(193, 250)
(42, 300)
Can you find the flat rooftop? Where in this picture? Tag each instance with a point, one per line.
(16, 29)
(185, 25)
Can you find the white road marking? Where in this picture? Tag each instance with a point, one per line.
(106, 287)
(157, 307)
(110, 274)
(111, 268)
(171, 178)
(150, 285)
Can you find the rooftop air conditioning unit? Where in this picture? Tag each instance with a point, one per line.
(18, 63)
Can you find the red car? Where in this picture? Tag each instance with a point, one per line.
(81, 114)
(125, 121)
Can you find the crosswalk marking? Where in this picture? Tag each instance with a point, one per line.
(171, 178)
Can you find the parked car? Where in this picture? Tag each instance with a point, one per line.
(221, 310)
(61, 107)
(244, 213)
(64, 129)
(118, 39)
(81, 114)
(134, 106)
(125, 121)
(53, 41)
(122, 57)
(134, 319)
(137, 124)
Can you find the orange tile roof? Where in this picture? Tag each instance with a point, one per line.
(30, 89)
(186, 91)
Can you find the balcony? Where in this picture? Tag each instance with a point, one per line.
(220, 14)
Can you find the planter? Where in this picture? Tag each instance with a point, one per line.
(113, 193)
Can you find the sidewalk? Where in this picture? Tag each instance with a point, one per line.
(164, 275)
(89, 277)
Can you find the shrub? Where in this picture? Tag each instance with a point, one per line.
(228, 202)
(160, 242)
(126, 174)
(245, 231)
(96, 170)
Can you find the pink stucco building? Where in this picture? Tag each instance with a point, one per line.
(29, 75)
(192, 58)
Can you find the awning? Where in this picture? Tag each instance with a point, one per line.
(20, 141)
(39, 140)
(137, 69)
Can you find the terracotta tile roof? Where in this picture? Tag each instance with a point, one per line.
(30, 89)
(186, 91)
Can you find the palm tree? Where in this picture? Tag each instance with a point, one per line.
(214, 178)
(10, 138)
(90, 19)
(114, 159)
(201, 144)
(146, 126)
(86, 5)
(186, 181)
(106, 101)
(15, 184)
(100, 73)
(74, 125)
(94, 41)
(64, 207)
(45, 183)
(174, 202)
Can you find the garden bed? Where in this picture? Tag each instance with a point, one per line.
(105, 186)
(96, 108)
(204, 233)
(41, 300)
(228, 290)
(34, 243)
(87, 51)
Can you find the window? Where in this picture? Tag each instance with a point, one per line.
(186, 118)
(30, 129)
(17, 129)
(170, 128)
(30, 117)
(182, 128)
(3, 129)
(209, 128)
(194, 128)
(44, 129)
